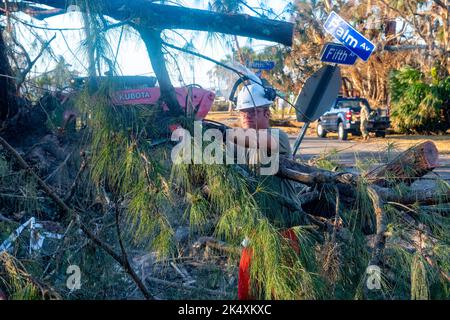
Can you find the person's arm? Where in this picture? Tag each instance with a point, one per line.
(251, 138)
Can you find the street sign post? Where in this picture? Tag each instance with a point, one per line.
(316, 97)
(337, 53)
(262, 65)
(349, 36)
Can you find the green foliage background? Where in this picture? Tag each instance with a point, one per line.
(420, 102)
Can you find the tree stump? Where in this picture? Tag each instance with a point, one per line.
(408, 166)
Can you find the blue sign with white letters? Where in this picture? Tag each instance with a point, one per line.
(262, 65)
(337, 53)
(349, 36)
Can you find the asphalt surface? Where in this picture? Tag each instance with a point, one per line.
(349, 152)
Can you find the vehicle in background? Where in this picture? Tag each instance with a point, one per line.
(344, 118)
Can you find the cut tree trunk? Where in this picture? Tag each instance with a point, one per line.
(408, 166)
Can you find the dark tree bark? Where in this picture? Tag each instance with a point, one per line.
(408, 166)
(149, 19)
(8, 103)
(292, 170)
(153, 42)
(20, 123)
(160, 17)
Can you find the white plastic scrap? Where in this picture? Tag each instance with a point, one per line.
(37, 237)
(245, 243)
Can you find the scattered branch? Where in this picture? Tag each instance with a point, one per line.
(71, 213)
(31, 63)
(74, 185)
(5, 219)
(186, 287)
(380, 236)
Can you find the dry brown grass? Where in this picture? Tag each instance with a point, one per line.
(405, 141)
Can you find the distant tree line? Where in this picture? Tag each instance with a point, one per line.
(412, 39)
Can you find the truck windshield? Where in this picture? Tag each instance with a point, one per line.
(354, 105)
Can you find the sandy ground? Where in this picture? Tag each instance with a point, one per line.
(347, 153)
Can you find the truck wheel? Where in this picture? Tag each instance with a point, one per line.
(342, 133)
(321, 131)
(380, 134)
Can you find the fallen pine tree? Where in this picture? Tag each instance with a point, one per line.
(124, 209)
(331, 230)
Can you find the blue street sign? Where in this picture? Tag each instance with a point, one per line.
(337, 53)
(349, 36)
(262, 65)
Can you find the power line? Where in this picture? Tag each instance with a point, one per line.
(239, 73)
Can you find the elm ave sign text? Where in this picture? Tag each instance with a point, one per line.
(348, 36)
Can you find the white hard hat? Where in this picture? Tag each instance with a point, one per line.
(252, 96)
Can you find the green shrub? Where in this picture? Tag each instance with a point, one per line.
(420, 103)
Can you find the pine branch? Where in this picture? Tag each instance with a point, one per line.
(186, 287)
(74, 185)
(126, 262)
(33, 11)
(31, 63)
(73, 214)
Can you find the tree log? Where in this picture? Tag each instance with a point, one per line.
(428, 196)
(157, 16)
(408, 166)
(292, 170)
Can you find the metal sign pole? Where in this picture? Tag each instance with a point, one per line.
(300, 138)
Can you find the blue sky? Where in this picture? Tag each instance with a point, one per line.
(132, 57)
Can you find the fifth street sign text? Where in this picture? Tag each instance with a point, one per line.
(337, 53)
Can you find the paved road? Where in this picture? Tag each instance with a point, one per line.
(348, 152)
(352, 150)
